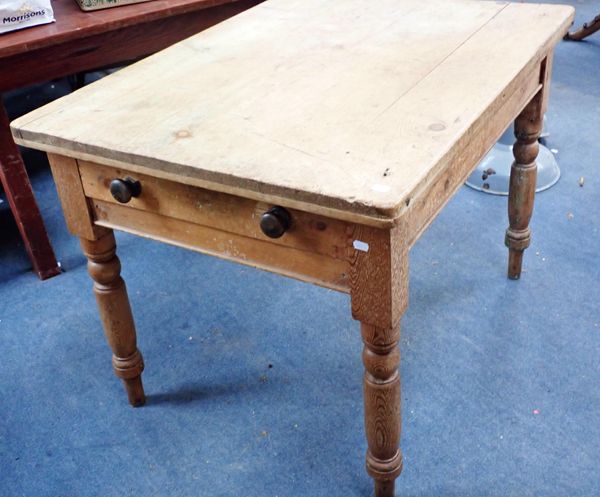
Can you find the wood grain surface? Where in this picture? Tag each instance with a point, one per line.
(378, 274)
(221, 211)
(300, 264)
(337, 105)
(379, 294)
(76, 208)
(104, 268)
(382, 398)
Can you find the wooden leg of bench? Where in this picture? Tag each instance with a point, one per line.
(23, 205)
(105, 269)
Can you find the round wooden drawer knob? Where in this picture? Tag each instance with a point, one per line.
(123, 189)
(275, 222)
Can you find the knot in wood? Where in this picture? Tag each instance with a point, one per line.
(128, 367)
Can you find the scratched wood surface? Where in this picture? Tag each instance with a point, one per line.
(335, 107)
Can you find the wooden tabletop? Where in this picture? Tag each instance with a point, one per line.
(73, 23)
(348, 106)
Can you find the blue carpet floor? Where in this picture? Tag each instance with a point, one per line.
(254, 381)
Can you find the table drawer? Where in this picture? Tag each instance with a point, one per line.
(221, 224)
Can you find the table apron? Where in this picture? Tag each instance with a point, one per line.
(314, 249)
(317, 248)
(470, 149)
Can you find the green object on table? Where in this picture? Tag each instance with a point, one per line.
(104, 4)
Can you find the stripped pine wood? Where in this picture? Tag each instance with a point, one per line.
(458, 165)
(379, 294)
(218, 210)
(310, 138)
(523, 174)
(383, 418)
(378, 275)
(271, 91)
(75, 205)
(104, 268)
(306, 266)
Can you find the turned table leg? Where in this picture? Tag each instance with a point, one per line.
(111, 295)
(523, 174)
(379, 292)
(381, 358)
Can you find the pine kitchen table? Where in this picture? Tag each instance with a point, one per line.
(311, 138)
